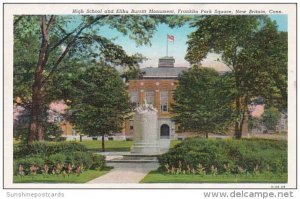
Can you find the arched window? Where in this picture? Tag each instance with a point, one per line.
(164, 131)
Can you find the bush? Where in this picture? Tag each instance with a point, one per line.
(98, 162)
(47, 148)
(228, 156)
(57, 158)
(59, 162)
(84, 159)
(52, 132)
(27, 162)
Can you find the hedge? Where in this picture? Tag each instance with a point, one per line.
(47, 148)
(60, 161)
(54, 158)
(227, 155)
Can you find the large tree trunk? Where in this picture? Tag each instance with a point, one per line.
(103, 143)
(36, 131)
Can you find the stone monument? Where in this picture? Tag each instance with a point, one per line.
(145, 136)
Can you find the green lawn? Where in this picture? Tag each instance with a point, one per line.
(110, 145)
(114, 145)
(82, 178)
(157, 177)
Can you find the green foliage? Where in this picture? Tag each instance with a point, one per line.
(265, 62)
(47, 148)
(101, 102)
(71, 179)
(28, 161)
(203, 101)
(237, 155)
(271, 117)
(98, 162)
(25, 56)
(49, 50)
(221, 35)
(58, 158)
(253, 123)
(53, 132)
(21, 129)
(255, 52)
(83, 159)
(110, 145)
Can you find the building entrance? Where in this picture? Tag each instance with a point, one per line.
(164, 131)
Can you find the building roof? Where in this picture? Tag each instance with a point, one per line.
(162, 72)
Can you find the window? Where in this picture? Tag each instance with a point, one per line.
(164, 101)
(134, 99)
(149, 96)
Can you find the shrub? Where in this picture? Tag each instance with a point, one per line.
(248, 154)
(54, 158)
(58, 158)
(60, 162)
(27, 162)
(98, 162)
(47, 148)
(84, 159)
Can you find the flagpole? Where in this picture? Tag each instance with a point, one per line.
(167, 45)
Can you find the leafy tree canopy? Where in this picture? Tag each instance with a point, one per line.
(254, 51)
(51, 48)
(203, 101)
(101, 103)
(271, 118)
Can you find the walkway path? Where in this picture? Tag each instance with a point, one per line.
(126, 173)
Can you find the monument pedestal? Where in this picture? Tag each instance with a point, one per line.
(146, 137)
(145, 148)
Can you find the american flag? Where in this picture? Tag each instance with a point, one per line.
(171, 38)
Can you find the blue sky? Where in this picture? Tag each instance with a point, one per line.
(177, 49)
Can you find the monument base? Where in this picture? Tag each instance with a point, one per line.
(134, 158)
(142, 148)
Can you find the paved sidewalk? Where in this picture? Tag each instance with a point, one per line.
(126, 173)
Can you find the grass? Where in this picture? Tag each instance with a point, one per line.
(157, 177)
(73, 178)
(114, 145)
(110, 145)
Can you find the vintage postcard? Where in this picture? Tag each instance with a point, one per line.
(157, 95)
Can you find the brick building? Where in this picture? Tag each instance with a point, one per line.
(156, 87)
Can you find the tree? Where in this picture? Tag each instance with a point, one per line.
(101, 102)
(270, 118)
(21, 123)
(54, 43)
(202, 101)
(265, 60)
(238, 39)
